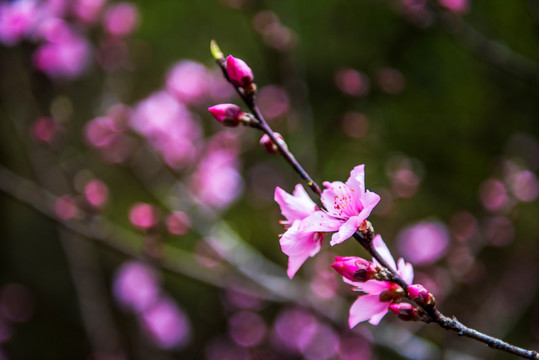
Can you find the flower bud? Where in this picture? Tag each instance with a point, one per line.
(269, 145)
(239, 73)
(405, 311)
(354, 268)
(227, 114)
(420, 295)
(216, 51)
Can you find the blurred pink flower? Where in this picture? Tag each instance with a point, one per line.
(217, 182)
(456, 6)
(136, 285)
(188, 81)
(347, 206)
(96, 193)
(524, 185)
(178, 223)
(107, 134)
(247, 328)
(120, 19)
(352, 82)
(55, 8)
(17, 20)
(88, 11)
(44, 129)
(379, 294)
(65, 56)
(66, 208)
(167, 325)
(143, 215)
(493, 195)
(273, 101)
(169, 128)
(298, 245)
(294, 329)
(424, 242)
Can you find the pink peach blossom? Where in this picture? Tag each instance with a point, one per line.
(379, 295)
(347, 206)
(297, 244)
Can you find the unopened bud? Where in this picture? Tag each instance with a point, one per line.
(269, 145)
(216, 51)
(405, 311)
(420, 295)
(354, 268)
(239, 73)
(227, 114)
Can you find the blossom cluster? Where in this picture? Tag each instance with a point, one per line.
(346, 208)
(60, 28)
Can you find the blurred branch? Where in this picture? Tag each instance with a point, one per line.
(490, 51)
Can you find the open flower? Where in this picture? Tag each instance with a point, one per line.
(378, 295)
(297, 242)
(347, 206)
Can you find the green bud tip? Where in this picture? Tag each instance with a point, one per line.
(215, 51)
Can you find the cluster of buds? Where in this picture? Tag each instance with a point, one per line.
(240, 75)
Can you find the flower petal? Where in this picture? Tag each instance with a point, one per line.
(381, 247)
(320, 221)
(357, 178)
(297, 206)
(406, 271)
(346, 230)
(366, 307)
(333, 191)
(299, 246)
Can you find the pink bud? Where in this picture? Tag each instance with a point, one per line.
(143, 216)
(96, 193)
(227, 114)
(239, 73)
(354, 268)
(178, 223)
(419, 294)
(269, 145)
(405, 311)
